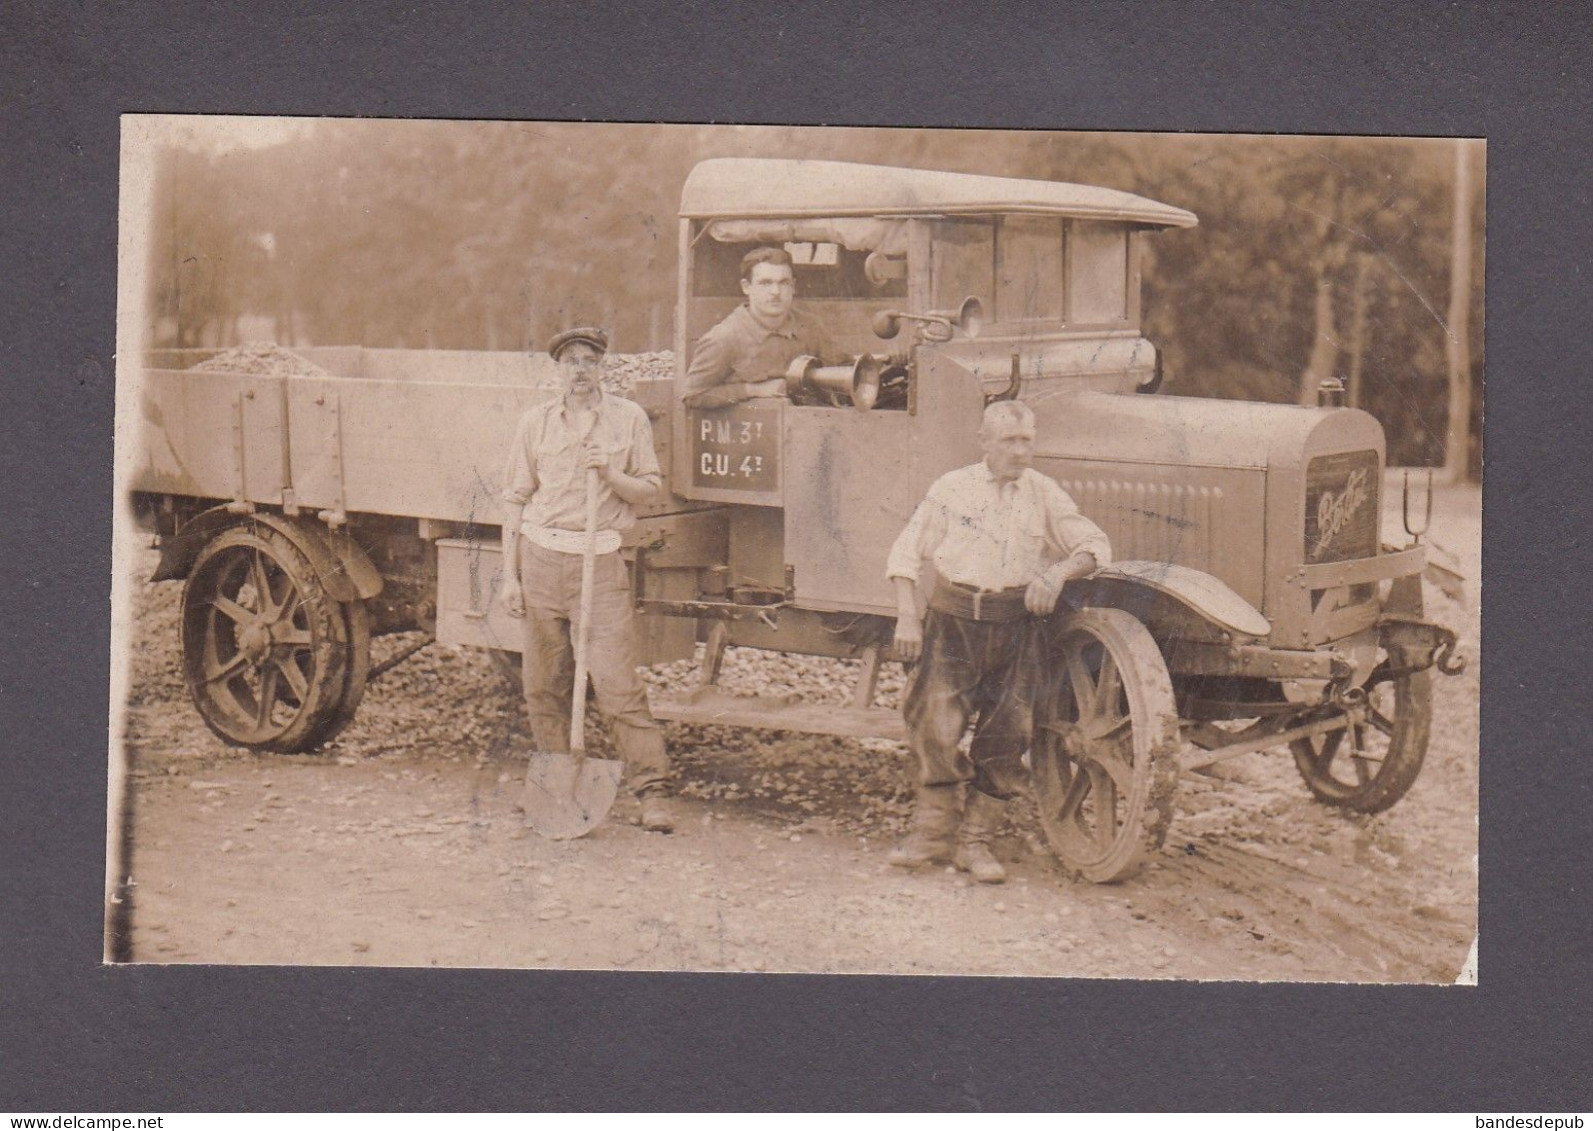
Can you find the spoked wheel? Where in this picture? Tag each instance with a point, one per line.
(264, 646)
(1374, 760)
(357, 621)
(1105, 754)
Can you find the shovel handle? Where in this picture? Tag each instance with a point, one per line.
(583, 627)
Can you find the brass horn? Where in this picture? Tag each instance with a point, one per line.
(859, 381)
(939, 325)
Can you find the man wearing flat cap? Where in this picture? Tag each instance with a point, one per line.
(543, 538)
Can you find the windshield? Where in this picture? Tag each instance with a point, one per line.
(962, 262)
(1029, 269)
(1033, 269)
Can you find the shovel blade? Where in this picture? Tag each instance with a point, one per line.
(562, 801)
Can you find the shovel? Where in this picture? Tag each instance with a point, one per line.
(568, 795)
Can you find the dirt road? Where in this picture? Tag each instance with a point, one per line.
(399, 846)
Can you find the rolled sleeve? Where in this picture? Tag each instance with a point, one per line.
(1069, 532)
(520, 476)
(917, 541)
(641, 462)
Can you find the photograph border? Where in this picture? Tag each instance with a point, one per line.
(217, 1038)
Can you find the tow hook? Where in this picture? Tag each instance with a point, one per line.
(1411, 636)
(1444, 655)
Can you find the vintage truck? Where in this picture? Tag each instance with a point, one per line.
(1251, 604)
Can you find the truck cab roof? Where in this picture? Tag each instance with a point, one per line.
(745, 187)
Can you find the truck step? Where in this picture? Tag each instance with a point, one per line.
(779, 712)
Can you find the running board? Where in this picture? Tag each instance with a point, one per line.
(710, 706)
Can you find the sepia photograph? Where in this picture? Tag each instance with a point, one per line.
(796, 549)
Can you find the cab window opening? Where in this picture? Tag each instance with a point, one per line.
(823, 271)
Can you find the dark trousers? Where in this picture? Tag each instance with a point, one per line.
(551, 583)
(967, 668)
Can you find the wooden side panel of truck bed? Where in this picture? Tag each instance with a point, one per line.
(401, 447)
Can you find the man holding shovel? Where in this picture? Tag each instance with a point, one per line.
(558, 447)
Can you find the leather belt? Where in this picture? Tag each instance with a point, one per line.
(964, 601)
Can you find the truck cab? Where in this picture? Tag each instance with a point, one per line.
(959, 288)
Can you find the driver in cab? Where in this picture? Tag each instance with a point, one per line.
(747, 354)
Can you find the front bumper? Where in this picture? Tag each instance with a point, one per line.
(1411, 644)
(1360, 571)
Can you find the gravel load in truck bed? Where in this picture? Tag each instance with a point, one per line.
(621, 371)
(261, 359)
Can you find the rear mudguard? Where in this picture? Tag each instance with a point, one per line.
(1153, 590)
(344, 568)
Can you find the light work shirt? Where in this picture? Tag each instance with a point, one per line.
(545, 475)
(740, 351)
(994, 536)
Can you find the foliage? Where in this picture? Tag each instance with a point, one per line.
(491, 235)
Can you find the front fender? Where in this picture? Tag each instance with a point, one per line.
(344, 568)
(1140, 587)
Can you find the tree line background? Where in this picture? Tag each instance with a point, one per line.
(1314, 257)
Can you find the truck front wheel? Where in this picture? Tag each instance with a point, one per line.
(1105, 754)
(265, 647)
(1369, 764)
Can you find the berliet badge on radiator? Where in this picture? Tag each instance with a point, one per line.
(1333, 512)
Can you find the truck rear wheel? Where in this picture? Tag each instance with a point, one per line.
(357, 620)
(1105, 756)
(1372, 762)
(265, 648)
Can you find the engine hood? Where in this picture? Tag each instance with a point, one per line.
(1192, 431)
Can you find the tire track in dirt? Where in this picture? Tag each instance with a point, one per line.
(1310, 914)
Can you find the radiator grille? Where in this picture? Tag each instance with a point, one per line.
(1151, 521)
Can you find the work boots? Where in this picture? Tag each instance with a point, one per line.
(934, 828)
(658, 816)
(979, 824)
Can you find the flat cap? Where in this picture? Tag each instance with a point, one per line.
(591, 335)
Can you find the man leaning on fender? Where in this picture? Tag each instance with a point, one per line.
(1003, 538)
